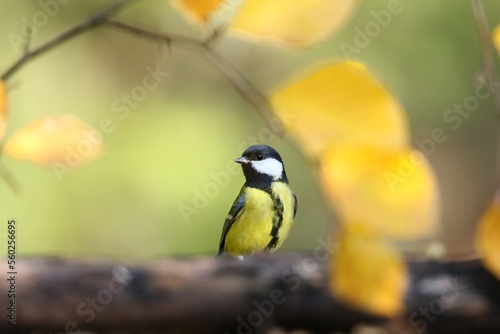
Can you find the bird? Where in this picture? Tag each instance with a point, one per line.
(263, 212)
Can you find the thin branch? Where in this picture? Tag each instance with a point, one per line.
(94, 20)
(181, 41)
(238, 80)
(27, 44)
(216, 34)
(251, 93)
(487, 70)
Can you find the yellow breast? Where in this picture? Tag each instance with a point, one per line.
(252, 230)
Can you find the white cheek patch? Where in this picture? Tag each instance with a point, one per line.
(269, 166)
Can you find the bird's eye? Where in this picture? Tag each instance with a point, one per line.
(260, 157)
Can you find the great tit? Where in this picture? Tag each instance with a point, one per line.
(263, 212)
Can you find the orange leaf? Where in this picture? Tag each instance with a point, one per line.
(199, 10)
(3, 109)
(488, 236)
(296, 23)
(64, 139)
(391, 193)
(341, 104)
(369, 275)
(496, 37)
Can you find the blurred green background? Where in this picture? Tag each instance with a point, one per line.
(181, 138)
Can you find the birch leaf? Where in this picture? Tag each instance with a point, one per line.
(3, 110)
(488, 236)
(341, 104)
(198, 10)
(298, 23)
(368, 275)
(496, 37)
(393, 193)
(64, 139)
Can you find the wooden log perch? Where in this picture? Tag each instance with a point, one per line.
(257, 295)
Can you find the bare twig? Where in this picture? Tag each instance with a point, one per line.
(94, 20)
(253, 95)
(248, 90)
(245, 87)
(9, 178)
(27, 43)
(487, 70)
(181, 41)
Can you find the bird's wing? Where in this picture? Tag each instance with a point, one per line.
(233, 214)
(295, 205)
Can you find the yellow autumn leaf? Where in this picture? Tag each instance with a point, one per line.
(369, 275)
(64, 139)
(341, 103)
(296, 23)
(488, 237)
(3, 110)
(496, 37)
(199, 10)
(392, 193)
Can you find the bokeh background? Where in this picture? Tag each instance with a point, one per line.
(167, 178)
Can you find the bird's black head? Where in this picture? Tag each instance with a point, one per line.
(262, 164)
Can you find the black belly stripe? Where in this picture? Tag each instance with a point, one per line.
(277, 222)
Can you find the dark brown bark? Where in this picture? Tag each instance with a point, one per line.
(206, 295)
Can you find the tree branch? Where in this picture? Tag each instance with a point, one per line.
(94, 20)
(251, 93)
(203, 295)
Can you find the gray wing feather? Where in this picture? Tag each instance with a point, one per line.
(295, 205)
(233, 214)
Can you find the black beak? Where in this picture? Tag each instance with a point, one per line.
(242, 160)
